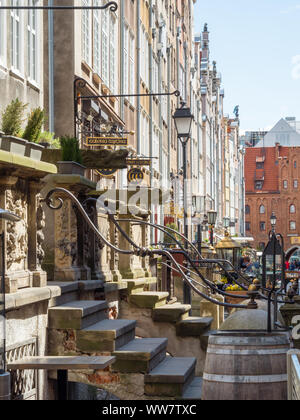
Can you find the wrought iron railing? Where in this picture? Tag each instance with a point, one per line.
(188, 250)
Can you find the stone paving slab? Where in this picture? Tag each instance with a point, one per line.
(142, 349)
(62, 363)
(111, 328)
(148, 300)
(170, 313)
(194, 390)
(172, 370)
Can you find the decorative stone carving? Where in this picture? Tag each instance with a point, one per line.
(16, 234)
(40, 221)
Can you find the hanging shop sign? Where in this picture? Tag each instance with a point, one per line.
(107, 173)
(135, 175)
(106, 141)
(295, 241)
(138, 162)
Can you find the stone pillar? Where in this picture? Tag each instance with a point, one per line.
(74, 252)
(66, 244)
(288, 312)
(36, 224)
(209, 309)
(129, 265)
(114, 260)
(145, 244)
(13, 197)
(106, 253)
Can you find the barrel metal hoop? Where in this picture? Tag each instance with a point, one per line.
(249, 341)
(245, 379)
(247, 352)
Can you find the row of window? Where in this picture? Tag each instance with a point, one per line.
(262, 209)
(260, 165)
(262, 226)
(99, 42)
(23, 34)
(285, 184)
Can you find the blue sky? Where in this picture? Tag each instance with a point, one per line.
(257, 48)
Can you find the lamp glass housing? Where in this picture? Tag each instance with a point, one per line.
(212, 217)
(226, 222)
(183, 122)
(273, 220)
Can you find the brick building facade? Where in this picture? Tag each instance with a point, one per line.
(272, 176)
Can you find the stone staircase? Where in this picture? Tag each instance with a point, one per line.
(145, 367)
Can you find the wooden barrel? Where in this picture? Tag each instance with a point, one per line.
(246, 365)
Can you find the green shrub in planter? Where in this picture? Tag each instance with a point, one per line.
(47, 137)
(34, 126)
(167, 238)
(12, 118)
(70, 149)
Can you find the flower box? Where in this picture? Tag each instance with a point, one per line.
(13, 144)
(71, 168)
(34, 151)
(233, 300)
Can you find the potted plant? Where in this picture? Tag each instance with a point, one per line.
(71, 163)
(234, 289)
(12, 118)
(170, 243)
(32, 134)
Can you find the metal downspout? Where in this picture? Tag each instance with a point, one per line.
(51, 67)
(138, 122)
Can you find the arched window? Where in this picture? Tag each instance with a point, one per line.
(292, 209)
(247, 209)
(262, 209)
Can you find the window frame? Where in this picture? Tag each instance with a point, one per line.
(32, 54)
(17, 43)
(3, 35)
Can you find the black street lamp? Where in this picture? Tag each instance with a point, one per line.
(273, 221)
(273, 260)
(183, 122)
(212, 219)
(4, 376)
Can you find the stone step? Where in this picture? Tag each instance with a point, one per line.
(66, 292)
(149, 300)
(107, 335)
(140, 355)
(193, 326)
(135, 286)
(77, 314)
(171, 313)
(194, 390)
(171, 378)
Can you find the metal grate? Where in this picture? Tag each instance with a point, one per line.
(23, 382)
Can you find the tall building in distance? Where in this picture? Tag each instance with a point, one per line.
(251, 138)
(272, 185)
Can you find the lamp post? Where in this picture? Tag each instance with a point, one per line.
(198, 204)
(183, 123)
(273, 221)
(212, 218)
(4, 376)
(273, 257)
